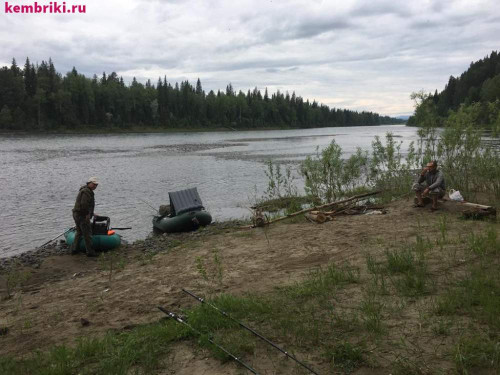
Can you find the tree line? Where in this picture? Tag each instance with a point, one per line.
(38, 98)
(478, 86)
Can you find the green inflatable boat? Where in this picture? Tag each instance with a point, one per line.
(100, 242)
(103, 238)
(185, 213)
(184, 222)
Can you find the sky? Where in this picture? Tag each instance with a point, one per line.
(363, 55)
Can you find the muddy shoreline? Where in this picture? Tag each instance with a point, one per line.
(153, 243)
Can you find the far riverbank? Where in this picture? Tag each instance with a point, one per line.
(152, 130)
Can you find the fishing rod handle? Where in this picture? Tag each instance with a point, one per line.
(171, 314)
(193, 295)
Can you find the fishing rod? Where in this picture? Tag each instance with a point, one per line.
(249, 329)
(143, 201)
(55, 238)
(179, 319)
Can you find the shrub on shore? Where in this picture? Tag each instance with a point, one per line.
(470, 162)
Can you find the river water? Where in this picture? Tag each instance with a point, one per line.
(40, 175)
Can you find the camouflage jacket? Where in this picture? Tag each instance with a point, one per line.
(85, 203)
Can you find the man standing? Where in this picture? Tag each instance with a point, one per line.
(82, 213)
(430, 182)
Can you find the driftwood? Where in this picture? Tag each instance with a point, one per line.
(317, 208)
(317, 217)
(478, 211)
(259, 220)
(479, 206)
(354, 210)
(343, 209)
(478, 214)
(349, 209)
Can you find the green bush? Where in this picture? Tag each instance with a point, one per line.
(470, 163)
(328, 176)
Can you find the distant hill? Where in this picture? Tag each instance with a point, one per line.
(403, 117)
(480, 83)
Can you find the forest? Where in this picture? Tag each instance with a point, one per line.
(477, 90)
(38, 98)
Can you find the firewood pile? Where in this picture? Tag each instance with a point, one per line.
(326, 212)
(323, 216)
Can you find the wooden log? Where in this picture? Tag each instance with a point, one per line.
(375, 207)
(356, 197)
(259, 220)
(477, 210)
(475, 205)
(339, 211)
(319, 218)
(478, 214)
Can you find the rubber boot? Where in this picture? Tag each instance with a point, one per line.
(74, 250)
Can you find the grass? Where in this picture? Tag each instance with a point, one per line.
(371, 308)
(141, 349)
(478, 291)
(400, 304)
(344, 356)
(478, 294)
(407, 366)
(15, 277)
(442, 327)
(405, 267)
(475, 352)
(323, 281)
(289, 204)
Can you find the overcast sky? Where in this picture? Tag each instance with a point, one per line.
(360, 55)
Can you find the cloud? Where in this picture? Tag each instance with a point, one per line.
(366, 55)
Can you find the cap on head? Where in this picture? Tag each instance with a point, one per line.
(93, 180)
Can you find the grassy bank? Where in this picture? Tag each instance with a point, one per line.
(426, 303)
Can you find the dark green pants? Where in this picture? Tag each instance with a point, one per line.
(83, 228)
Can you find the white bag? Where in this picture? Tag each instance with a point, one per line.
(455, 196)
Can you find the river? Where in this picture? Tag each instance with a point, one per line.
(40, 175)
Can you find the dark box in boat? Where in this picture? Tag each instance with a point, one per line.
(100, 225)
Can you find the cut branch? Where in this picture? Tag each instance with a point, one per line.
(317, 208)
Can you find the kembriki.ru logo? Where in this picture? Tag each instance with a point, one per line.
(51, 7)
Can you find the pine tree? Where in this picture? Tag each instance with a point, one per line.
(199, 90)
(16, 71)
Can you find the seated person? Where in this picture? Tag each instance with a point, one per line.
(430, 182)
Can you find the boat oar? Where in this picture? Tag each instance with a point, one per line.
(126, 228)
(179, 319)
(249, 329)
(55, 238)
